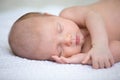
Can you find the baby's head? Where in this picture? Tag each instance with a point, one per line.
(41, 36)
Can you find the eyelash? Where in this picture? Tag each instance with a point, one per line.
(60, 51)
(60, 29)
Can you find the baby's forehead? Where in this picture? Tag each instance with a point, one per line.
(29, 23)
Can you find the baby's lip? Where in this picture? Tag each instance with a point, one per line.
(77, 40)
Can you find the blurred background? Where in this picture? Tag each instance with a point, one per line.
(11, 10)
(7, 5)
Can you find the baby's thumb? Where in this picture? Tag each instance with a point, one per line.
(65, 60)
(85, 61)
(70, 60)
(57, 59)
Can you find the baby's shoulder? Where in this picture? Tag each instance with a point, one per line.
(74, 10)
(75, 13)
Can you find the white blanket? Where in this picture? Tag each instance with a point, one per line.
(16, 68)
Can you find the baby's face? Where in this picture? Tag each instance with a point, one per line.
(59, 37)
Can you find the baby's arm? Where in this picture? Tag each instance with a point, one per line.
(77, 59)
(99, 53)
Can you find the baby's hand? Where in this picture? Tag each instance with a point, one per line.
(75, 59)
(101, 57)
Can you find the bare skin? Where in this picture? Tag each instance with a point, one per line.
(106, 9)
(81, 34)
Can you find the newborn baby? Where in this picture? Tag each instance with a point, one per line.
(87, 35)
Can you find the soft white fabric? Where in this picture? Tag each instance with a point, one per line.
(16, 68)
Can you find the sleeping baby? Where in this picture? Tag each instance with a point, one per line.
(79, 35)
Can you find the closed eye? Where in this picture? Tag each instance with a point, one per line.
(60, 28)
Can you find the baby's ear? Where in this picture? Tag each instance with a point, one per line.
(48, 14)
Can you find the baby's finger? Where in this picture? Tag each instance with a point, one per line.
(112, 61)
(76, 59)
(101, 64)
(107, 64)
(95, 64)
(57, 59)
(87, 58)
(70, 60)
(65, 60)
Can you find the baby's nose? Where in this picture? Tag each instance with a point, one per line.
(68, 40)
